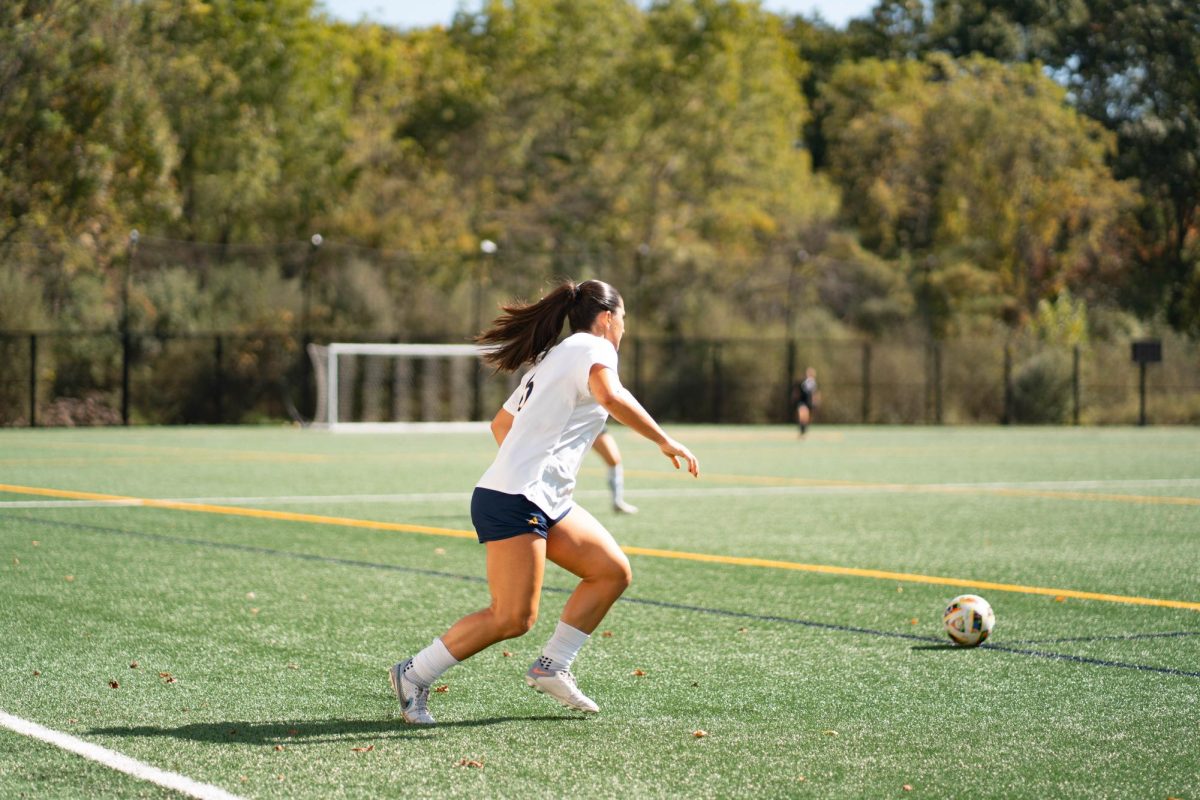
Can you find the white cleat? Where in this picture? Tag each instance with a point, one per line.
(413, 699)
(621, 507)
(559, 684)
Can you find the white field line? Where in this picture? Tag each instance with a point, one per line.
(715, 491)
(114, 760)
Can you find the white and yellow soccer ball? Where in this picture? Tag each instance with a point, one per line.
(968, 620)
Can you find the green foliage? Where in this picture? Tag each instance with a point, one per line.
(978, 169)
(1041, 388)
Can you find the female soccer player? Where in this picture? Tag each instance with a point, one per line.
(522, 507)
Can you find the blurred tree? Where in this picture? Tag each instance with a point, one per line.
(255, 95)
(85, 150)
(980, 171)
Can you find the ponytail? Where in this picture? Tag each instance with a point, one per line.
(524, 332)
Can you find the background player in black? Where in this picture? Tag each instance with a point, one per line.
(805, 396)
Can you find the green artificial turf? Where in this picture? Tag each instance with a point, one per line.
(262, 644)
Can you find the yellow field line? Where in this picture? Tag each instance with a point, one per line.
(927, 488)
(233, 511)
(823, 569)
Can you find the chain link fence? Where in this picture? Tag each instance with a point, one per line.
(61, 378)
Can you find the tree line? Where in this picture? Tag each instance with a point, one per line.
(936, 168)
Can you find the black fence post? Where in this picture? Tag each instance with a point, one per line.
(1006, 419)
(1142, 393)
(1075, 386)
(33, 348)
(219, 376)
(789, 379)
(866, 382)
(716, 381)
(126, 356)
(937, 382)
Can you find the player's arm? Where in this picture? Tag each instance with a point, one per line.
(606, 387)
(501, 424)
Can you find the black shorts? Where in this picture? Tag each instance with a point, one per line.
(497, 516)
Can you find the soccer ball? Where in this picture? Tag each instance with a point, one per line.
(968, 620)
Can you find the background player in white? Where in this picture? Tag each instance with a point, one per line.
(606, 447)
(522, 507)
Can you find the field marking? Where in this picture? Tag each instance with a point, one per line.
(682, 555)
(477, 579)
(939, 488)
(683, 492)
(115, 760)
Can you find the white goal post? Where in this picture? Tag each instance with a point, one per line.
(387, 387)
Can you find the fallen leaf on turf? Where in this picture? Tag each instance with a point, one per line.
(1060, 598)
(37, 673)
(36, 543)
(72, 721)
(164, 674)
(607, 634)
(292, 666)
(170, 679)
(469, 762)
(899, 589)
(233, 732)
(69, 578)
(907, 787)
(639, 673)
(742, 630)
(694, 683)
(114, 685)
(442, 689)
(699, 734)
(441, 551)
(243, 778)
(278, 747)
(293, 732)
(367, 749)
(280, 777)
(800, 779)
(506, 654)
(254, 611)
(17, 561)
(913, 621)
(133, 665)
(249, 595)
(830, 732)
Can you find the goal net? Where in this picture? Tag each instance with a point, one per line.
(387, 387)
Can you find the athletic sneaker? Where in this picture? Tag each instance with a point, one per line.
(620, 506)
(413, 699)
(559, 684)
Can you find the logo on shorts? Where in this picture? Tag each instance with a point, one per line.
(534, 521)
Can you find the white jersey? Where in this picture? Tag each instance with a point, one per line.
(555, 422)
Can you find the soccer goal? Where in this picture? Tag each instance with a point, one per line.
(370, 387)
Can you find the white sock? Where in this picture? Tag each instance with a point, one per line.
(430, 663)
(616, 482)
(564, 645)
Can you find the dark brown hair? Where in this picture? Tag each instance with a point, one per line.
(527, 330)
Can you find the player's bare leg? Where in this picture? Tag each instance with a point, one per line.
(582, 546)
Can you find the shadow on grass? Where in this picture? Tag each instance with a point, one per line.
(300, 731)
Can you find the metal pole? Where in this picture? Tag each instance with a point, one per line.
(1141, 393)
(487, 249)
(33, 380)
(219, 388)
(937, 382)
(1007, 416)
(866, 382)
(1075, 387)
(126, 343)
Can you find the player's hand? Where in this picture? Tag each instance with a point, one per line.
(675, 451)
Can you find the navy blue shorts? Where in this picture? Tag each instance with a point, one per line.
(497, 516)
